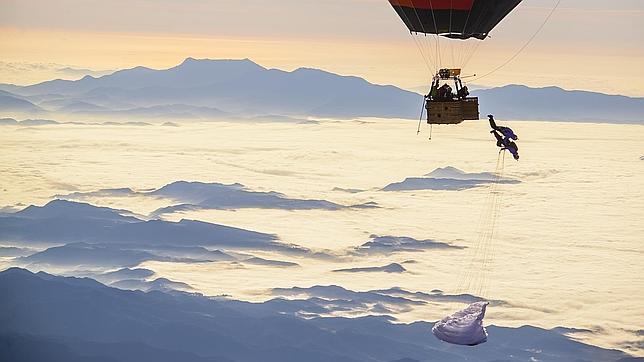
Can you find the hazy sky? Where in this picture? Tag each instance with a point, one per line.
(588, 44)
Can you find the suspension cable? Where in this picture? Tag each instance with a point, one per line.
(461, 55)
(471, 53)
(474, 47)
(422, 26)
(436, 36)
(451, 44)
(426, 59)
(545, 21)
(420, 120)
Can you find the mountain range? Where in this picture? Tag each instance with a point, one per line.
(223, 88)
(52, 318)
(241, 89)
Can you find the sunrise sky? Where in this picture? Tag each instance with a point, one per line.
(588, 44)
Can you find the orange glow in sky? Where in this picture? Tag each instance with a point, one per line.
(352, 37)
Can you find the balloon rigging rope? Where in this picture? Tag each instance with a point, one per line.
(436, 36)
(473, 47)
(471, 53)
(489, 246)
(469, 50)
(419, 43)
(428, 63)
(545, 21)
(426, 41)
(420, 120)
(426, 59)
(473, 277)
(451, 11)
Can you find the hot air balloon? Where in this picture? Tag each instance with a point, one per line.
(462, 25)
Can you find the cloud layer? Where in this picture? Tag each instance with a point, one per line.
(448, 179)
(388, 244)
(201, 195)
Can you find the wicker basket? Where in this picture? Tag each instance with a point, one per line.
(452, 112)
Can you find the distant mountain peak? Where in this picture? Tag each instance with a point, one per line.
(16, 271)
(190, 61)
(65, 208)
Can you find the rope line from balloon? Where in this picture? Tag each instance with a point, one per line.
(545, 21)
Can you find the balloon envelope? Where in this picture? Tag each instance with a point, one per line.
(459, 19)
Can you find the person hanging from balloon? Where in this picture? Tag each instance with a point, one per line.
(505, 137)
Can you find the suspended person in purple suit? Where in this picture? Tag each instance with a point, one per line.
(507, 132)
(506, 144)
